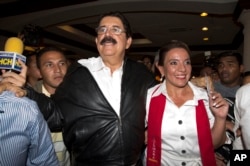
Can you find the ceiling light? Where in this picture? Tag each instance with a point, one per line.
(203, 14)
(205, 28)
(205, 38)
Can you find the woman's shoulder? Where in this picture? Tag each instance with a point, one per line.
(155, 90)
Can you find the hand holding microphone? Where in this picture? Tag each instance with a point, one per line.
(12, 60)
(12, 52)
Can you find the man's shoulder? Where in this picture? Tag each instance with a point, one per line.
(8, 96)
(218, 84)
(131, 64)
(19, 105)
(244, 88)
(38, 86)
(76, 66)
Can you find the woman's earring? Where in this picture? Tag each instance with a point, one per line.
(162, 78)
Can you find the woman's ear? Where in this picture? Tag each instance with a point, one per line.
(160, 68)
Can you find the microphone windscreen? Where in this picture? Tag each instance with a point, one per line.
(14, 44)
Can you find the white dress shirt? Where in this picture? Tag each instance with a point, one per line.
(179, 130)
(242, 113)
(110, 84)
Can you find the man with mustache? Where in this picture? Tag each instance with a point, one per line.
(100, 105)
(230, 68)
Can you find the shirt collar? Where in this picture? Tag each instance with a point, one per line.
(199, 93)
(44, 91)
(95, 64)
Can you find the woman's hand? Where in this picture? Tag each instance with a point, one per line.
(218, 105)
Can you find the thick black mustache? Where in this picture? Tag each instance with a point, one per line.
(108, 39)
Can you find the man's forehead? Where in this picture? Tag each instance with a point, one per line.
(111, 20)
(228, 59)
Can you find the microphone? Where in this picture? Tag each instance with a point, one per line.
(13, 50)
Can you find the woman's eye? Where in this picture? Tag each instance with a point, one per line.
(173, 63)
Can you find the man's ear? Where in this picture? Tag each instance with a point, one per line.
(96, 40)
(242, 68)
(129, 41)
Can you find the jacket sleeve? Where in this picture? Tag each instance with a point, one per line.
(48, 108)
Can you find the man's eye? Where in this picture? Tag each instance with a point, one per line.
(103, 29)
(116, 30)
(62, 63)
(48, 65)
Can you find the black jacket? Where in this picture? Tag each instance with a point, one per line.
(92, 131)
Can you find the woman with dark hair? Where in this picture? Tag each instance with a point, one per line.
(185, 123)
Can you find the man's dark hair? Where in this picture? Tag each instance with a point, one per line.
(124, 20)
(149, 57)
(237, 55)
(47, 49)
(32, 35)
(28, 55)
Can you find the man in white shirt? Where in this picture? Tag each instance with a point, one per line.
(242, 114)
